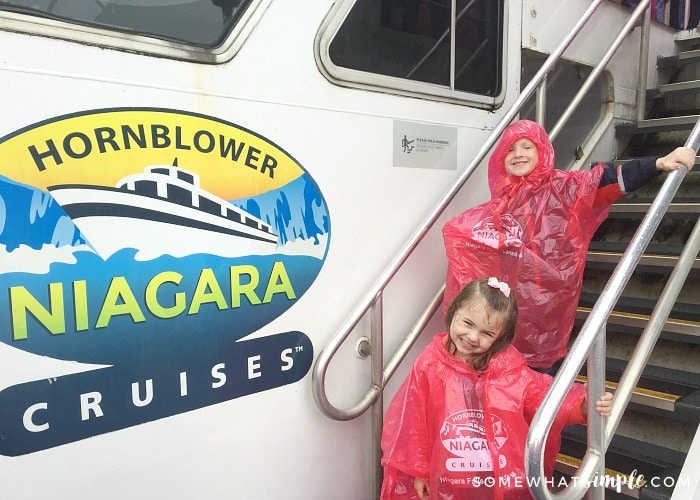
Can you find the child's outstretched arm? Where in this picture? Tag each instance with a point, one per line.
(679, 156)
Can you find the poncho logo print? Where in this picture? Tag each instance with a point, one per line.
(485, 232)
(463, 434)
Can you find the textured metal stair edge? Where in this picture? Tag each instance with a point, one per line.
(645, 397)
(626, 484)
(682, 312)
(636, 207)
(686, 87)
(654, 260)
(659, 373)
(627, 303)
(639, 321)
(637, 451)
(652, 248)
(681, 59)
(657, 125)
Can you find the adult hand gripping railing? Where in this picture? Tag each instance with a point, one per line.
(591, 339)
(373, 300)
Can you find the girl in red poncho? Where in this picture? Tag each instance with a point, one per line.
(535, 232)
(457, 427)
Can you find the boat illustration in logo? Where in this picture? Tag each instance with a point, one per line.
(163, 210)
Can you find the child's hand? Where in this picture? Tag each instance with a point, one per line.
(684, 156)
(604, 404)
(422, 488)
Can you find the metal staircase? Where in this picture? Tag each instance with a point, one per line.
(652, 440)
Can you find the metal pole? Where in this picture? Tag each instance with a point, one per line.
(541, 102)
(377, 413)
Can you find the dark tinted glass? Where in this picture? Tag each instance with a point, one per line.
(195, 22)
(412, 39)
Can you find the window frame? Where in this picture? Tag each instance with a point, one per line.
(365, 80)
(106, 38)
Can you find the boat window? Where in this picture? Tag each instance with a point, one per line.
(203, 24)
(184, 176)
(179, 195)
(163, 171)
(146, 188)
(424, 46)
(209, 206)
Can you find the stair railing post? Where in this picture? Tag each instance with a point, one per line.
(541, 102)
(595, 428)
(377, 413)
(643, 65)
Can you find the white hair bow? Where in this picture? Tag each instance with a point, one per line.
(501, 285)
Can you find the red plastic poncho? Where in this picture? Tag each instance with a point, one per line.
(436, 426)
(534, 234)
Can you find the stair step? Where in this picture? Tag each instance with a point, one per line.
(629, 485)
(665, 249)
(644, 397)
(686, 122)
(678, 60)
(676, 89)
(662, 391)
(679, 88)
(631, 322)
(673, 230)
(628, 461)
(612, 258)
(633, 206)
(687, 312)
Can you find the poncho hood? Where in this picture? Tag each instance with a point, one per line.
(500, 182)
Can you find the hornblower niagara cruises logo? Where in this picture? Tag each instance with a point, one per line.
(141, 247)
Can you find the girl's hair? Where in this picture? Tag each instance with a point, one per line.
(496, 302)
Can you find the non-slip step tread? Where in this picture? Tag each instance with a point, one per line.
(686, 122)
(659, 383)
(638, 305)
(620, 247)
(673, 230)
(664, 401)
(680, 59)
(610, 259)
(652, 375)
(629, 485)
(631, 323)
(624, 454)
(640, 206)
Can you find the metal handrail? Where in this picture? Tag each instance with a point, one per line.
(322, 363)
(592, 334)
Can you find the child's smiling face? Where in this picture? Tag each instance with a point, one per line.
(522, 157)
(474, 329)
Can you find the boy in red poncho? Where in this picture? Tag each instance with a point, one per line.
(457, 427)
(535, 232)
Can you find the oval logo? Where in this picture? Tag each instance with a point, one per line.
(132, 233)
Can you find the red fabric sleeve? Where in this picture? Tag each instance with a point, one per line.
(569, 413)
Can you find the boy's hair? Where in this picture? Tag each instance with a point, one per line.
(496, 302)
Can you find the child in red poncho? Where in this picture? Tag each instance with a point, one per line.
(535, 232)
(457, 427)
